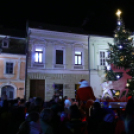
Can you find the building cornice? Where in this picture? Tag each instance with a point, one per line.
(57, 40)
(11, 80)
(55, 71)
(13, 55)
(101, 39)
(60, 34)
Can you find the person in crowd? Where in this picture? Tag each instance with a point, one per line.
(45, 121)
(36, 105)
(18, 114)
(85, 95)
(96, 118)
(31, 125)
(125, 123)
(56, 110)
(85, 92)
(75, 125)
(1, 102)
(107, 126)
(65, 114)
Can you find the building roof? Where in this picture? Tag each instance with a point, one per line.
(12, 32)
(16, 46)
(77, 30)
(16, 39)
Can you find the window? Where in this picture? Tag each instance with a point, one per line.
(5, 43)
(38, 55)
(103, 57)
(9, 68)
(78, 58)
(59, 90)
(59, 56)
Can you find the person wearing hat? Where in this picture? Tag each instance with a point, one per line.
(85, 96)
(85, 92)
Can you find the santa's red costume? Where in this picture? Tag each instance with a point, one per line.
(85, 96)
(85, 92)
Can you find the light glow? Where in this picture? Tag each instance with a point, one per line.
(119, 23)
(36, 57)
(76, 52)
(127, 84)
(120, 47)
(118, 13)
(118, 76)
(108, 67)
(115, 35)
(38, 49)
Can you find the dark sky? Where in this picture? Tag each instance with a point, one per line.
(100, 14)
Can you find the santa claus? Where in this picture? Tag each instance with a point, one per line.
(85, 92)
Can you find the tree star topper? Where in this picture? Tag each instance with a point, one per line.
(118, 13)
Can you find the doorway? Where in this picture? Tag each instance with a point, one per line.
(8, 91)
(37, 88)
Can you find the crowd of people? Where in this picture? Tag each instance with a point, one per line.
(64, 116)
(85, 115)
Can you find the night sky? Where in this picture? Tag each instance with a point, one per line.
(94, 16)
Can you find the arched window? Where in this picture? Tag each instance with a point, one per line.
(8, 91)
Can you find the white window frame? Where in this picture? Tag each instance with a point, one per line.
(5, 41)
(78, 49)
(9, 61)
(58, 66)
(33, 55)
(38, 52)
(77, 57)
(106, 56)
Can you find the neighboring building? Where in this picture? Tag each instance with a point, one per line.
(98, 46)
(55, 57)
(12, 64)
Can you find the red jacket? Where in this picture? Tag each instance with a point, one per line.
(84, 94)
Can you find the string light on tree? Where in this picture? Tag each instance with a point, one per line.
(117, 76)
(115, 35)
(127, 85)
(120, 47)
(108, 67)
(119, 23)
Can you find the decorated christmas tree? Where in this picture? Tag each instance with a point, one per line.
(120, 69)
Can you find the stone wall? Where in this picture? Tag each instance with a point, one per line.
(68, 81)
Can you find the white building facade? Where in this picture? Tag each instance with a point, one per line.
(55, 60)
(98, 46)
